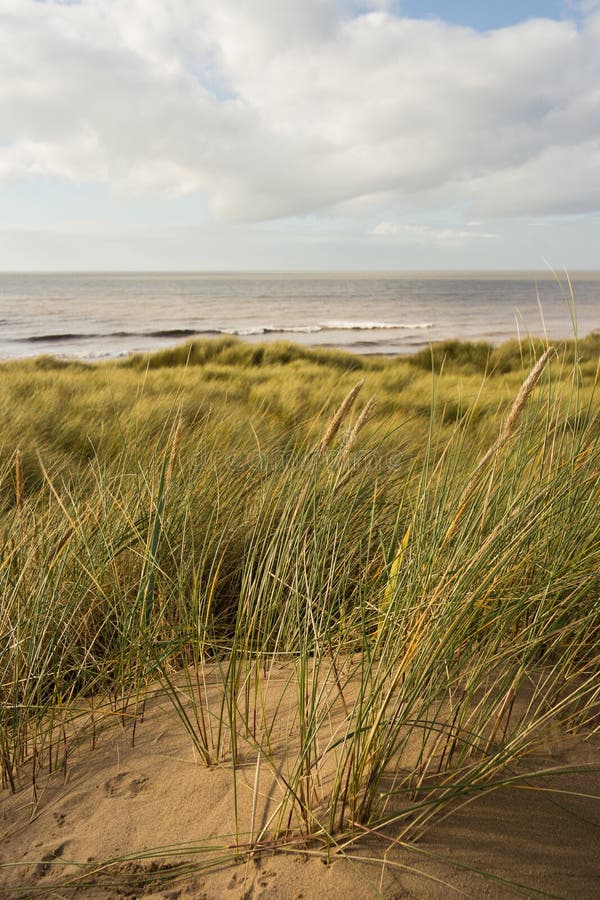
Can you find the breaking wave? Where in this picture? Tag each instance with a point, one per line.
(241, 330)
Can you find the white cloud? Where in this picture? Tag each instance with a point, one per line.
(385, 229)
(277, 108)
(428, 234)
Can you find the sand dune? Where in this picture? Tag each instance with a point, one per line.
(153, 801)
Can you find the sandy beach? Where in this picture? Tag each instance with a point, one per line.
(169, 823)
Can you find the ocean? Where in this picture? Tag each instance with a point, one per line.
(92, 316)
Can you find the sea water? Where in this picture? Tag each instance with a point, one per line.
(102, 315)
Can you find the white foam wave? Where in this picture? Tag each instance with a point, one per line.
(376, 326)
(336, 325)
(272, 329)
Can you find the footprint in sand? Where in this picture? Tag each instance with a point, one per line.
(45, 865)
(251, 885)
(240, 885)
(124, 785)
(233, 882)
(265, 877)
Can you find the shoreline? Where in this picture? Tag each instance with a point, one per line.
(280, 336)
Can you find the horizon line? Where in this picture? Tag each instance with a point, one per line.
(545, 272)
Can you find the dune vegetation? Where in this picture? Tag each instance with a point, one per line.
(414, 542)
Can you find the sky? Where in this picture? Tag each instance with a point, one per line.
(299, 134)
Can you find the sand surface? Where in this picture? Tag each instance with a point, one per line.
(152, 795)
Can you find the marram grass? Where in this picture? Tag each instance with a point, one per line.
(419, 563)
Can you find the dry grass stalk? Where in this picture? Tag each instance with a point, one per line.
(173, 453)
(393, 576)
(55, 493)
(358, 426)
(510, 425)
(334, 425)
(19, 482)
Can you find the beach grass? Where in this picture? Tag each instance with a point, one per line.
(402, 553)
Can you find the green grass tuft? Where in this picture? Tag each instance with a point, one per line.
(206, 506)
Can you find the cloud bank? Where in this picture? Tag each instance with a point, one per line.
(279, 108)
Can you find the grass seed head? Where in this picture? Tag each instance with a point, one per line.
(359, 425)
(340, 415)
